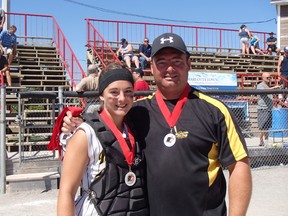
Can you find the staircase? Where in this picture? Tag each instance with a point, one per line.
(36, 68)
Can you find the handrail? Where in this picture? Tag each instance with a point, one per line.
(63, 53)
(99, 42)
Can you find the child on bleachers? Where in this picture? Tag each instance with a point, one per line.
(254, 45)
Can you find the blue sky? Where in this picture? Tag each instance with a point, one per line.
(70, 16)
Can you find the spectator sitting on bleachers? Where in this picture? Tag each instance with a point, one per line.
(125, 52)
(254, 45)
(272, 44)
(89, 83)
(4, 69)
(2, 19)
(8, 42)
(139, 83)
(145, 53)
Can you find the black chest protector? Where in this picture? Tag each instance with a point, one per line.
(109, 192)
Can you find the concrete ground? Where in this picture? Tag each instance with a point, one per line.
(270, 197)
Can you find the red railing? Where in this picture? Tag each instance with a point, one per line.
(33, 28)
(99, 45)
(1, 80)
(194, 36)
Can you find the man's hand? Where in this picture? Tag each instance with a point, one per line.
(70, 123)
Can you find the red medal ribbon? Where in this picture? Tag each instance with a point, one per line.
(128, 153)
(171, 118)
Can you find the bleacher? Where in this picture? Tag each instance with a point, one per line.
(36, 68)
(212, 59)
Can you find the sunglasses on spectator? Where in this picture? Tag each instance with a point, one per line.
(146, 40)
(268, 77)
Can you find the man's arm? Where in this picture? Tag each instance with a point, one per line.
(240, 187)
(279, 66)
(80, 86)
(141, 51)
(272, 42)
(70, 123)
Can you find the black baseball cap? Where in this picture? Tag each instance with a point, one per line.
(139, 71)
(271, 33)
(170, 40)
(123, 40)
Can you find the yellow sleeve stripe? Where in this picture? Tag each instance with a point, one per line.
(235, 143)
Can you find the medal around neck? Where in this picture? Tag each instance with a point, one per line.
(170, 140)
(130, 178)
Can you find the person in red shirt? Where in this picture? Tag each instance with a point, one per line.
(140, 84)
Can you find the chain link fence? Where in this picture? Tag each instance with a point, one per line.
(36, 113)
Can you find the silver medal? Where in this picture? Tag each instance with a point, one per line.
(130, 178)
(169, 139)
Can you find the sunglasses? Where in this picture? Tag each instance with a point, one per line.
(268, 77)
(146, 40)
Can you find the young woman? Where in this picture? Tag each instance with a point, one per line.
(104, 157)
(245, 36)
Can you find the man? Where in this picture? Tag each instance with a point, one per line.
(272, 44)
(89, 83)
(2, 19)
(185, 149)
(139, 83)
(264, 108)
(125, 52)
(282, 70)
(145, 53)
(4, 69)
(8, 42)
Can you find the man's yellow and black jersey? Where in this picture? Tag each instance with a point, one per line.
(186, 178)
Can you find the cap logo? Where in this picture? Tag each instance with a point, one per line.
(170, 39)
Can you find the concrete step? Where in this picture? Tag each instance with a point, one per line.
(33, 181)
(40, 164)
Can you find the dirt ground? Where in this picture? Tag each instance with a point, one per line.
(270, 197)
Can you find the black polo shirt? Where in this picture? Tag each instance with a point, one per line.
(186, 178)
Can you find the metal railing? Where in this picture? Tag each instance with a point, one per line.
(194, 36)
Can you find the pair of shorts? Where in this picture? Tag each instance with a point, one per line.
(273, 48)
(7, 50)
(264, 117)
(244, 40)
